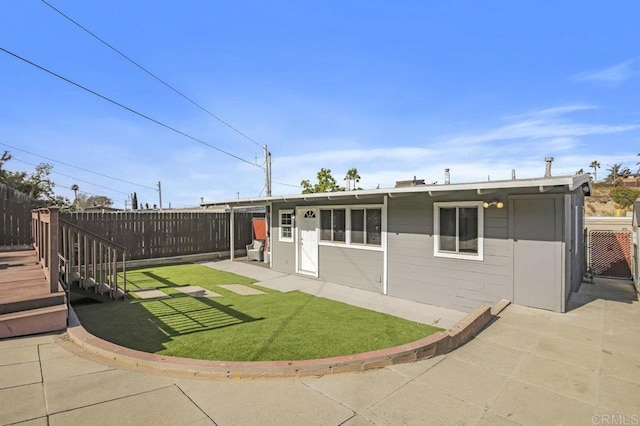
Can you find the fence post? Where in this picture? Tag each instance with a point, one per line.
(232, 234)
(54, 230)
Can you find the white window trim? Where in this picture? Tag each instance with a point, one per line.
(281, 238)
(436, 230)
(347, 243)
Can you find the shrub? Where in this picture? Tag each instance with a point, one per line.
(624, 196)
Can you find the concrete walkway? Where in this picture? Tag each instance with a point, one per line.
(529, 367)
(418, 312)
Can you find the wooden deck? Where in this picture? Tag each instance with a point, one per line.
(27, 305)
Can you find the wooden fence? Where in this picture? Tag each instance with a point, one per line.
(147, 235)
(15, 217)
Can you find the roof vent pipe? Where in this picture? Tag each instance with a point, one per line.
(547, 172)
(513, 174)
(447, 177)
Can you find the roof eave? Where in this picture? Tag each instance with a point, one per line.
(544, 184)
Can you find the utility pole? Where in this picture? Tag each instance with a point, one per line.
(267, 170)
(160, 195)
(125, 205)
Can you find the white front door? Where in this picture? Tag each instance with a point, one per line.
(308, 241)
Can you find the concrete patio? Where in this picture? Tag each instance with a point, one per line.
(528, 367)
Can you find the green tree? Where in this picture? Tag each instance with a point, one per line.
(15, 180)
(624, 196)
(60, 201)
(6, 156)
(595, 166)
(39, 184)
(326, 183)
(99, 200)
(134, 201)
(352, 176)
(84, 201)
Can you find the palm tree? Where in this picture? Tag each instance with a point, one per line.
(595, 166)
(617, 173)
(75, 189)
(352, 176)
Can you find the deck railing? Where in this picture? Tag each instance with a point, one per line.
(93, 261)
(69, 253)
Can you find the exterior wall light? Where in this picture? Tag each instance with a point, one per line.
(497, 204)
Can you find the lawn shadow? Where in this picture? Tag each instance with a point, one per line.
(130, 325)
(147, 325)
(182, 314)
(132, 282)
(166, 282)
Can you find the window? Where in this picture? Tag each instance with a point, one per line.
(366, 225)
(357, 226)
(286, 226)
(374, 226)
(333, 225)
(458, 230)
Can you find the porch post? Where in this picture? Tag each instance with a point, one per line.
(385, 246)
(52, 249)
(232, 233)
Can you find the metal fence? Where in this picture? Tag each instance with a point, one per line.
(147, 235)
(15, 217)
(610, 253)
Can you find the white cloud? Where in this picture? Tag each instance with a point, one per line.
(553, 111)
(522, 144)
(616, 74)
(537, 129)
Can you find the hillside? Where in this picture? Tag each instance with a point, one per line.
(601, 204)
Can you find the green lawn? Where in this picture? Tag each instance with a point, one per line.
(272, 326)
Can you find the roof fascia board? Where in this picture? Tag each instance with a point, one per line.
(572, 182)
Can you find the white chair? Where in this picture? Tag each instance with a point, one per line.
(255, 251)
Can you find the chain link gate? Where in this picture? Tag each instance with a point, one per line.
(610, 253)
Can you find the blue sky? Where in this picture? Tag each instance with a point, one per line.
(395, 89)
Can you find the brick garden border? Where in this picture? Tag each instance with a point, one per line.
(436, 344)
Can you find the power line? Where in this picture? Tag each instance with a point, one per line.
(77, 167)
(288, 184)
(150, 73)
(72, 177)
(94, 194)
(153, 120)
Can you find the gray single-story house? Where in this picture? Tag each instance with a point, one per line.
(457, 245)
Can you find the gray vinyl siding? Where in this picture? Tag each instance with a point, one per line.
(416, 274)
(283, 253)
(352, 267)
